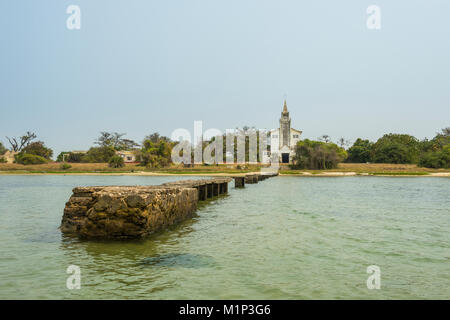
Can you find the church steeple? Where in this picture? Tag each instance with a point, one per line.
(285, 110)
(285, 127)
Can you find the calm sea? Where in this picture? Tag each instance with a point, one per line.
(283, 238)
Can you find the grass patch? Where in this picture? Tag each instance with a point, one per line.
(201, 171)
(99, 168)
(291, 172)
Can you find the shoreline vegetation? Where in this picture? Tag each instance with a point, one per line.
(343, 169)
(390, 155)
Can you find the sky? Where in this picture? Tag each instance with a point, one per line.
(142, 66)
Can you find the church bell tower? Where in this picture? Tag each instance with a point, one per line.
(285, 127)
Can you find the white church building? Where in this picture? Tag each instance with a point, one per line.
(284, 139)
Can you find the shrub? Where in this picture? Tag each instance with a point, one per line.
(2, 160)
(65, 166)
(116, 162)
(27, 159)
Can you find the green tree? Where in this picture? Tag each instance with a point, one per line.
(155, 153)
(317, 155)
(38, 148)
(99, 154)
(396, 148)
(114, 140)
(2, 152)
(436, 159)
(436, 152)
(360, 151)
(438, 142)
(2, 149)
(156, 137)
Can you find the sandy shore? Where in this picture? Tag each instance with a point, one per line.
(297, 174)
(350, 174)
(142, 173)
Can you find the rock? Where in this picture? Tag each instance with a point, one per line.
(103, 202)
(135, 201)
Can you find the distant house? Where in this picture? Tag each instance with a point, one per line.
(128, 156)
(9, 156)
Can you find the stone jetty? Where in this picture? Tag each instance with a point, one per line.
(251, 178)
(124, 212)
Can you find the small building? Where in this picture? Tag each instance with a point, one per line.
(75, 154)
(128, 156)
(284, 139)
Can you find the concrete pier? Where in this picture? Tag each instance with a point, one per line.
(206, 188)
(239, 182)
(122, 212)
(251, 178)
(118, 212)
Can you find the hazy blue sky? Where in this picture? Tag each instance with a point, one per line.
(145, 66)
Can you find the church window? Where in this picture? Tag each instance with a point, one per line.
(295, 136)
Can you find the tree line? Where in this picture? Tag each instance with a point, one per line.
(390, 148)
(155, 150)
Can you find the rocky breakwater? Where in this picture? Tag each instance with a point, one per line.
(121, 212)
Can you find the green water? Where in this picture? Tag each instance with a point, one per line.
(284, 238)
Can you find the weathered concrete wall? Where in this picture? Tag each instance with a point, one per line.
(126, 212)
(133, 212)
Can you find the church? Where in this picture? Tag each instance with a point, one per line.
(284, 139)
